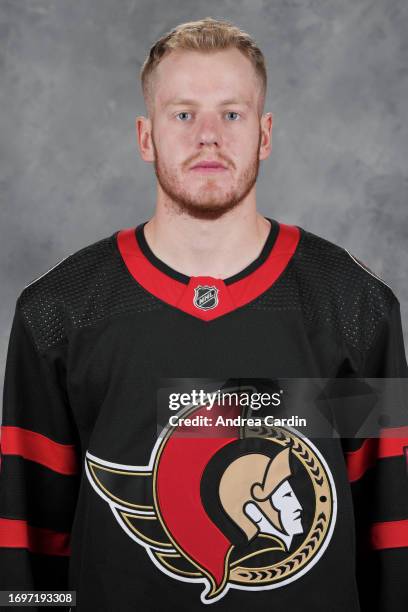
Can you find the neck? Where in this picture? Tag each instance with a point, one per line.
(196, 247)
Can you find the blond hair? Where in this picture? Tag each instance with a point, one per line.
(207, 34)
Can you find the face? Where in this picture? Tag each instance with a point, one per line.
(288, 505)
(205, 108)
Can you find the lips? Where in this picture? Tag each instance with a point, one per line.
(209, 164)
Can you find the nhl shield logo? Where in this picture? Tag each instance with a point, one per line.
(205, 297)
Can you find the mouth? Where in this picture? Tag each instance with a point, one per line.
(206, 170)
(209, 166)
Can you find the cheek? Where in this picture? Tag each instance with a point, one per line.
(173, 150)
(241, 150)
(169, 157)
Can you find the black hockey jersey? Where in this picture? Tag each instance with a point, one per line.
(126, 477)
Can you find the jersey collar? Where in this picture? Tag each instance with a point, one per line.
(206, 297)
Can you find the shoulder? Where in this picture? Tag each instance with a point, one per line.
(86, 260)
(65, 291)
(83, 289)
(340, 288)
(319, 255)
(70, 275)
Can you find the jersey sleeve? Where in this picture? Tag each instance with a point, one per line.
(39, 464)
(378, 474)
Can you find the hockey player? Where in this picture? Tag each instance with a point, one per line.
(98, 494)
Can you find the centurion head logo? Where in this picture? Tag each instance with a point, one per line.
(245, 509)
(255, 492)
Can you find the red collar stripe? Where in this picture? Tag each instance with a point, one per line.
(229, 297)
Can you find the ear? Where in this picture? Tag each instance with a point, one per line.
(144, 137)
(266, 136)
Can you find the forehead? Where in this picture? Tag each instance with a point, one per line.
(198, 75)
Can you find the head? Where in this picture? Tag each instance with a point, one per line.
(204, 85)
(289, 508)
(255, 478)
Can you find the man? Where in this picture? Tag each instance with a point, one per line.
(99, 493)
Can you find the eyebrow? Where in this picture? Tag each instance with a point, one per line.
(190, 102)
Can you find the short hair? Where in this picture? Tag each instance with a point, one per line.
(207, 35)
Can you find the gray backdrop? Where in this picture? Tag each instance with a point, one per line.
(70, 170)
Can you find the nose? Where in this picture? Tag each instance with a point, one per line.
(208, 140)
(209, 132)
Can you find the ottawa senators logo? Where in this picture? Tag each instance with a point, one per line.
(248, 509)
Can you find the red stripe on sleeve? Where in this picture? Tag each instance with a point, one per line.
(390, 534)
(390, 443)
(31, 445)
(16, 533)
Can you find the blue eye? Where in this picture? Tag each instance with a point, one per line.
(182, 113)
(232, 113)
